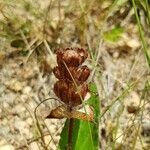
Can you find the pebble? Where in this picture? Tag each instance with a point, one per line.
(5, 105)
(146, 127)
(19, 124)
(133, 43)
(34, 146)
(57, 138)
(26, 132)
(24, 97)
(51, 127)
(53, 146)
(29, 73)
(14, 85)
(132, 102)
(119, 136)
(29, 121)
(27, 90)
(23, 128)
(19, 109)
(5, 146)
(115, 54)
(47, 139)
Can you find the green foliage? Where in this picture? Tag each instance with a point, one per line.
(142, 34)
(94, 101)
(87, 137)
(81, 136)
(64, 135)
(145, 6)
(113, 35)
(85, 134)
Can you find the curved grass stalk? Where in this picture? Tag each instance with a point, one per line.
(145, 46)
(38, 123)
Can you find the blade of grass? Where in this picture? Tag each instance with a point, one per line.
(145, 46)
(148, 11)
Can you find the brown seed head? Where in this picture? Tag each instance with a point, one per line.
(71, 56)
(70, 73)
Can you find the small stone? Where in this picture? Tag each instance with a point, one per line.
(53, 122)
(26, 132)
(47, 139)
(19, 109)
(34, 146)
(52, 128)
(132, 102)
(29, 73)
(19, 124)
(14, 85)
(133, 43)
(146, 127)
(53, 146)
(105, 4)
(23, 128)
(5, 105)
(131, 109)
(24, 97)
(56, 139)
(4, 122)
(27, 90)
(5, 146)
(115, 55)
(120, 136)
(29, 121)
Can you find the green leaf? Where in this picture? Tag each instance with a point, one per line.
(85, 134)
(92, 88)
(113, 35)
(64, 135)
(94, 101)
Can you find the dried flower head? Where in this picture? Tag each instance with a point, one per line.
(71, 56)
(71, 87)
(69, 94)
(70, 73)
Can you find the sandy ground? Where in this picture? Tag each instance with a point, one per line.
(25, 80)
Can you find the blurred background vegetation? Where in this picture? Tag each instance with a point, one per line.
(117, 36)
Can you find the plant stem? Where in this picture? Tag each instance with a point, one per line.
(70, 132)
